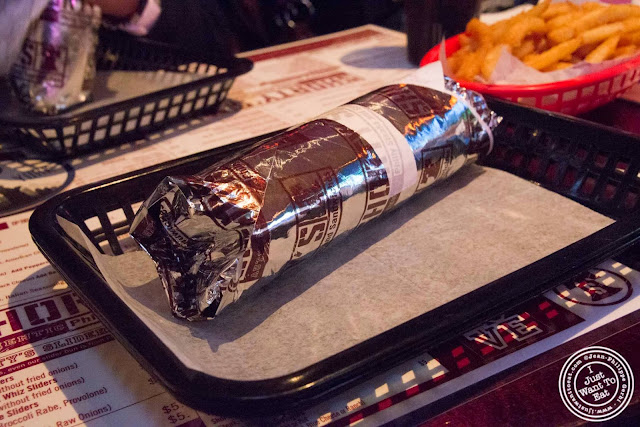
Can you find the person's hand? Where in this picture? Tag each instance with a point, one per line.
(117, 8)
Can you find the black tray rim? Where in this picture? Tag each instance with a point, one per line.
(351, 366)
(237, 67)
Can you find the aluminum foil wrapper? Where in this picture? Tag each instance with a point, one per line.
(241, 221)
(56, 66)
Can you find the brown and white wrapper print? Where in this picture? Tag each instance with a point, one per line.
(241, 221)
(56, 67)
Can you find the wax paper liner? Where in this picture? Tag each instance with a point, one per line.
(238, 223)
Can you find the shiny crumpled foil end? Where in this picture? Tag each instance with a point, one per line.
(196, 231)
(479, 104)
(242, 221)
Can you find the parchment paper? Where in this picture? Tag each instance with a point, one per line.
(511, 70)
(477, 226)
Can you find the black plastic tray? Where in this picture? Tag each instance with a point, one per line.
(94, 125)
(588, 163)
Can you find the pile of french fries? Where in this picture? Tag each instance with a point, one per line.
(549, 37)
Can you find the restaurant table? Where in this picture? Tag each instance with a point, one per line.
(60, 366)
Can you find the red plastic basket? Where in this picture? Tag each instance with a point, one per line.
(572, 96)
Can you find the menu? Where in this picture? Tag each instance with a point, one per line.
(59, 366)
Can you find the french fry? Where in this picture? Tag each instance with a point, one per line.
(539, 9)
(465, 40)
(615, 13)
(498, 29)
(455, 60)
(592, 5)
(602, 32)
(556, 9)
(585, 49)
(553, 55)
(631, 25)
(527, 25)
(624, 51)
(527, 47)
(563, 65)
(561, 34)
(630, 39)
(491, 59)
(558, 66)
(589, 20)
(563, 20)
(541, 44)
(479, 31)
(470, 66)
(604, 50)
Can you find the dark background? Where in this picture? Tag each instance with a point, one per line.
(241, 25)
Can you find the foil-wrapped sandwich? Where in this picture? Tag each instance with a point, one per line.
(238, 223)
(56, 66)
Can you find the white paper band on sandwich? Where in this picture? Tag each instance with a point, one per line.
(387, 142)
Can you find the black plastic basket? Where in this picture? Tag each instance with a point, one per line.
(80, 130)
(561, 153)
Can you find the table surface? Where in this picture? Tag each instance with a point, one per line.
(59, 366)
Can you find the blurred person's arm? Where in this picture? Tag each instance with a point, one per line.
(134, 16)
(197, 25)
(122, 9)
